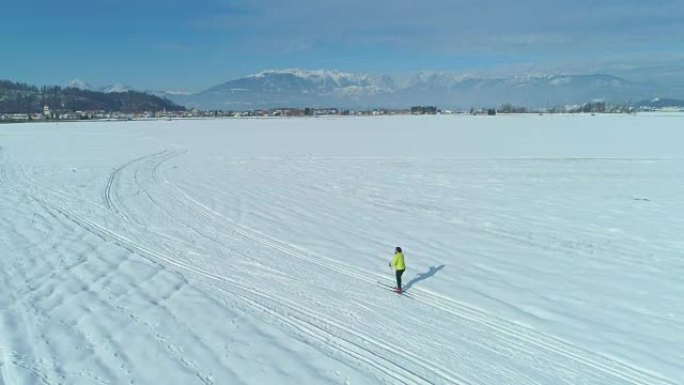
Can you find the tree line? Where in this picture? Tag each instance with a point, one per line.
(24, 98)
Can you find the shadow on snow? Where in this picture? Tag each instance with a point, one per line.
(423, 276)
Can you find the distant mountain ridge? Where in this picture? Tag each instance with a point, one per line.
(289, 88)
(85, 86)
(284, 88)
(662, 103)
(322, 88)
(311, 81)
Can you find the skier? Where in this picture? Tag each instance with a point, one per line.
(399, 265)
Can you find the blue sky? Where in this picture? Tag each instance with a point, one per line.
(192, 45)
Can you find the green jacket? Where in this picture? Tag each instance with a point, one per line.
(398, 262)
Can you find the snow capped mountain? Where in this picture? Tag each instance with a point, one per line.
(116, 87)
(326, 88)
(448, 80)
(437, 78)
(80, 84)
(301, 81)
(525, 89)
(276, 88)
(662, 103)
(291, 88)
(85, 86)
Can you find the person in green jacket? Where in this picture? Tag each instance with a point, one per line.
(399, 265)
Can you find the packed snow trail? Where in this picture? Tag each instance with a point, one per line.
(163, 266)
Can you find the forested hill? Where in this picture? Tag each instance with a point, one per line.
(23, 98)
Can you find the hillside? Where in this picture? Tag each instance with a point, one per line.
(23, 98)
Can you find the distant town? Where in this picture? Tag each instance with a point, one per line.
(58, 115)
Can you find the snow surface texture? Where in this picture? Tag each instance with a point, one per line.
(540, 250)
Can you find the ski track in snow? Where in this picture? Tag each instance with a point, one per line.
(43, 366)
(191, 251)
(511, 332)
(515, 344)
(109, 201)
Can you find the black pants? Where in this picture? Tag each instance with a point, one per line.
(399, 273)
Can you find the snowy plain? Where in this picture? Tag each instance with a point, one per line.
(541, 250)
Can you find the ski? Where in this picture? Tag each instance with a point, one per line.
(393, 289)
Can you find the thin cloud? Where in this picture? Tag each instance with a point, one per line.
(456, 25)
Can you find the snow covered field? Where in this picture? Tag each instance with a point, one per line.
(540, 249)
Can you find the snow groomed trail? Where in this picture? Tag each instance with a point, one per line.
(156, 276)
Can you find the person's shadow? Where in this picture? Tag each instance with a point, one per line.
(423, 276)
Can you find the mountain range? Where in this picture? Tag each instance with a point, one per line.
(301, 88)
(112, 88)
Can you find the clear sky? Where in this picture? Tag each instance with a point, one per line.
(194, 44)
